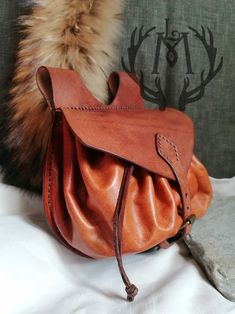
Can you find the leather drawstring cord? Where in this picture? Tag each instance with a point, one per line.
(131, 289)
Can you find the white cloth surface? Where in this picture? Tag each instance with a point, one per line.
(40, 276)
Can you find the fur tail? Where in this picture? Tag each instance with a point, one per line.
(78, 34)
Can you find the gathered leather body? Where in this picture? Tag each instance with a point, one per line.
(118, 178)
(89, 148)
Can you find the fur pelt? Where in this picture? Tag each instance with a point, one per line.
(75, 34)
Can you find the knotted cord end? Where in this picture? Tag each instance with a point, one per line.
(131, 291)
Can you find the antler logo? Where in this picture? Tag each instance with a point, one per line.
(171, 41)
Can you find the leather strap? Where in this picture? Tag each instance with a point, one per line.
(169, 153)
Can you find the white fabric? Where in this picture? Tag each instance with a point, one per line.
(39, 275)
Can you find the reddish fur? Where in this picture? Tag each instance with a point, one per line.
(75, 34)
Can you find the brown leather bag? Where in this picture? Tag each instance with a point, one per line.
(119, 178)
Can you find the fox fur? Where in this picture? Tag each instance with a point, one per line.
(76, 34)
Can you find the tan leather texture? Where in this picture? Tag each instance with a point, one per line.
(91, 146)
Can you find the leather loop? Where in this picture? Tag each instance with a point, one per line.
(44, 83)
(169, 152)
(65, 89)
(114, 81)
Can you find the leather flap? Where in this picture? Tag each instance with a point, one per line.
(124, 128)
(131, 135)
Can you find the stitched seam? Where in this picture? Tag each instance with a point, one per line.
(50, 182)
(107, 108)
(160, 137)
